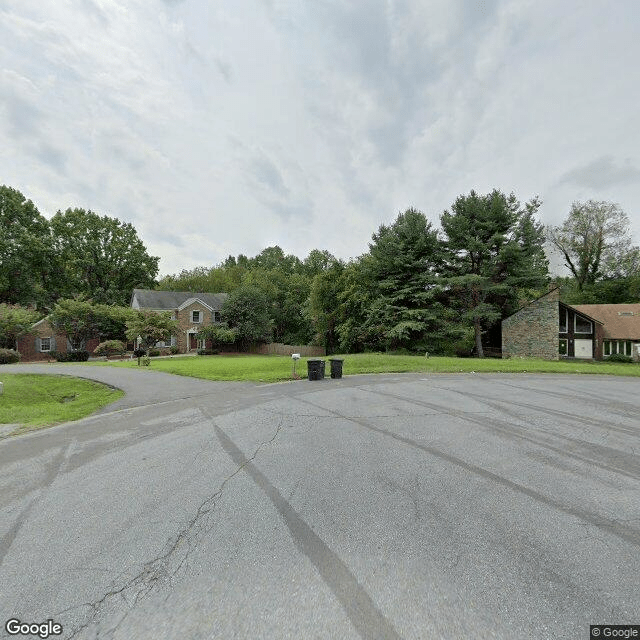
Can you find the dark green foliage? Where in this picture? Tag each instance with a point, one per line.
(151, 327)
(403, 267)
(173, 350)
(101, 257)
(110, 348)
(154, 353)
(139, 353)
(71, 356)
(619, 357)
(218, 334)
(208, 352)
(15, 321)
(77, 319)
(247, 311)
(27, 262)
(9, 356)
(494, 249)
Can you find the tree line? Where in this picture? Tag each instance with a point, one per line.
(417, 288)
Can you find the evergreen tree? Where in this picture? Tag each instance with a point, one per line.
(405, 258)
(494, 249)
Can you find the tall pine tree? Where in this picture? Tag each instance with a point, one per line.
(494, 249)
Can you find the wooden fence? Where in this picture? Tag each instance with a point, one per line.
(280, 349)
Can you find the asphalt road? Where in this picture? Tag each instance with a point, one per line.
(401, 506)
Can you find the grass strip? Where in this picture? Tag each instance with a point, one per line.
(279, 368)
(33, 401)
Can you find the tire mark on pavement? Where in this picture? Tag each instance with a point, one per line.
(608, 525)
(54, 469)
(628, 464)
(163, 568)
(361, 610)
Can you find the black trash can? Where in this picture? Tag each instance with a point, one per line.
(336, 367)
(315, 369)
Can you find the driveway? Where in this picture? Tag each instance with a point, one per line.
(398, 506)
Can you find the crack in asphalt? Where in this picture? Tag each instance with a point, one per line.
(158, 569)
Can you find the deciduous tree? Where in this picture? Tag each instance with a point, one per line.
(15, 321)
(594, 239)
(103, 258)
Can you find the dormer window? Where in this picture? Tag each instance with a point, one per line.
(216, 316)
(196, 317)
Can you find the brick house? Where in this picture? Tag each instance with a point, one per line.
(42, 340)
(550, 329)
(191, 310)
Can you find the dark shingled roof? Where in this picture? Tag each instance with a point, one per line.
(169, 300)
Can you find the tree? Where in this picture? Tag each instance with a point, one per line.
(494, 248)
(150, 327)
(324, 305)
(27, 264)
(218, 334)
(595, 234)
(102, 257)
(404, 263)
(15, 321)
(76, 319)
(247, 310)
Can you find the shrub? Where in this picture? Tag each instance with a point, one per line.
(71, 356)
(138, 353)
(154, 353)
(109, 348)
(618, 357)
(174, 349)
(146, 361)
(9, 356)
(208, 352)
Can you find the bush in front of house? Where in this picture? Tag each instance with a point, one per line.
(208, 352)
(109, 348)
(71, 356)
(619, 357)
(174, 350)
(9, 356)
(154, 353)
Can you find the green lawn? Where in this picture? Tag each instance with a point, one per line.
(279, 368)
(35, 401)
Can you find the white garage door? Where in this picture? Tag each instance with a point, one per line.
(584, 348)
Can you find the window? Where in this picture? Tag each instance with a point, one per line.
(562, 346)
(611, 347)
(563, 320)
(45, 344)
(582, 325)
(195, 316)
(216, 316)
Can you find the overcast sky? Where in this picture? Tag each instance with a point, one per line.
(221, 127)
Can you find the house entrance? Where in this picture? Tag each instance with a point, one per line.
(193, 343)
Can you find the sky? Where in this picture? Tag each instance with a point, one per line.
(220, 127)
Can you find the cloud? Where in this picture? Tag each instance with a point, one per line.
(602, 173)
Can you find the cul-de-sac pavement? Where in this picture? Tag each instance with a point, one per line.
(392, 506)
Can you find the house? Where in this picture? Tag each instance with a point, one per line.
(550, 329)
(621, 327)
(42, 340)
(191, 310)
